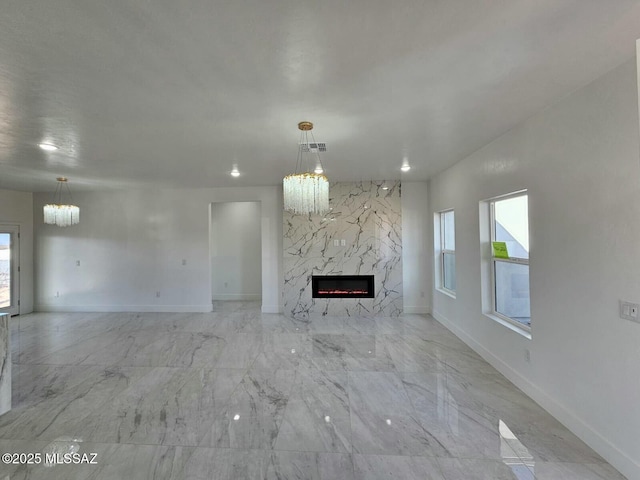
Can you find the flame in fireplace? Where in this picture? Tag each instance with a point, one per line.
(343, 292)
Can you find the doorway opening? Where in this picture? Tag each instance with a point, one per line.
(235, 246)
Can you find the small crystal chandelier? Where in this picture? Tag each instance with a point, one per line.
(305, 191)
(57, 213)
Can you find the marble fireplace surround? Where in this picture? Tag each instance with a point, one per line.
(5, 364)
(366, 223)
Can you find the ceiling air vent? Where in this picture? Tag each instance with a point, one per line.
(314, 147)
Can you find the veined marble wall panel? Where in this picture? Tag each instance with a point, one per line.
(369, 220)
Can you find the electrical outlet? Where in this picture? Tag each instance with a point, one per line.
(184, 261)
(158, 294)
(336, 243)
(77, 263)
(343, 242)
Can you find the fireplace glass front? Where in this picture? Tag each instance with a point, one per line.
(342, 286)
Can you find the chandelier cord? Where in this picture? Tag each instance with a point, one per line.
(299, 162)
(303, 164)
(317, 149)
(68, 191)
(57, 194)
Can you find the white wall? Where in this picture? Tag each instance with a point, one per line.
(416, 250)
(131, 244)
(236, 256)
(579, 161)
(16, 208)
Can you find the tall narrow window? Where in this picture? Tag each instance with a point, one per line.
(5, 270)
(510, 258)
(448, 251)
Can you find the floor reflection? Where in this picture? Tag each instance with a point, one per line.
(514, 454)
(447, 407)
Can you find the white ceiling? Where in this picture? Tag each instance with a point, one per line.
(173, 93)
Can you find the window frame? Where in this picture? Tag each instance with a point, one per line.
(443, 251)
(516, 260)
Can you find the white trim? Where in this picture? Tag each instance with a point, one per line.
(506, 196)
(510, 324)
(594, 439)
(416, 310)
(124, 308)
(447, 292)
(271, 309)
(140, 308)
(518, 260)
(248, 297)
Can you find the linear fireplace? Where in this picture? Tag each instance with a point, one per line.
(342, 286)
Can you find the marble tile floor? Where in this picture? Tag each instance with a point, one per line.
(236, 394)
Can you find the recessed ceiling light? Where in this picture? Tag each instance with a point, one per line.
(405, 168)
(318, 170)
(385, 187)
(235, 172)
(49, 147)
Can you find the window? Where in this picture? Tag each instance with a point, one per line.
(510, 270)
(447, 251)
(9, 268)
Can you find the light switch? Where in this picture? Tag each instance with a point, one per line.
(336, 243)
(629, 311)
(343, 242)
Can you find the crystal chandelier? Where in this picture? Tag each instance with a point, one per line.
(305, 191)
(57, 213)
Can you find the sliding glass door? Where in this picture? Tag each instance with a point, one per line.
(9, 269)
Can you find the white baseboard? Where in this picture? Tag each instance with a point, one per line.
(246, 297)
(271, 309)
(124, 308)
(616, 457)
(417, 309)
